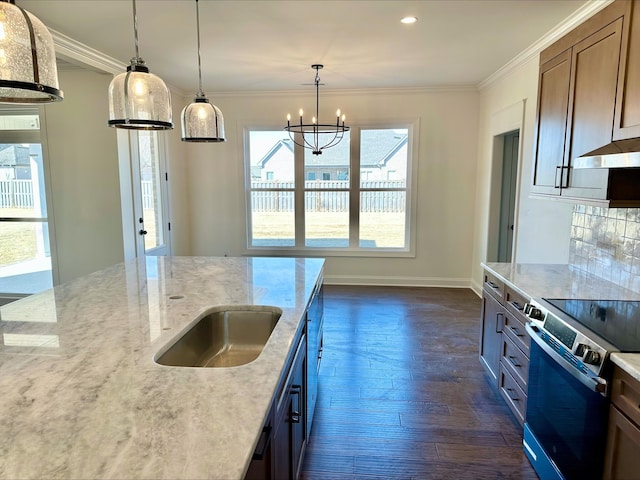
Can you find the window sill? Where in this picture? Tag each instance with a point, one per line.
(327, 252)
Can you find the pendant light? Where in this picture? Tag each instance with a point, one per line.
(139, 100)
(28, 70)
(201, 120)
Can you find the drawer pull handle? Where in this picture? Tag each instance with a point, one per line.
(512, 397)
(517, 306)
(512, 361)
(515, 331)
(493, 285)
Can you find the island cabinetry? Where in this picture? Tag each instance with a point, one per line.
(281, 446)
(622, 457)
(504, 343)
(579, 80)
(289, 439)
(315, 328)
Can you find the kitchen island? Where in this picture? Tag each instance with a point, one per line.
(83, 398)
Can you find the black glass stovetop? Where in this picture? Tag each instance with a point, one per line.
(617, 321)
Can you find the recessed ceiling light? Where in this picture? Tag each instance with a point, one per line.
(408, 20)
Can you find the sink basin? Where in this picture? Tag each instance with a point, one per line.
(227, 336)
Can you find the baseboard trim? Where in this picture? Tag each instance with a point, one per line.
(477, 288)
(381, 281)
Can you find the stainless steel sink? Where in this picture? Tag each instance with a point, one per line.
(226, 337)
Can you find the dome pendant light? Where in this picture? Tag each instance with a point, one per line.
(28, 70)
(139, 100)
(201, 120)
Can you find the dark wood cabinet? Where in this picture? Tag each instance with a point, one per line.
(315, 332)
(585, 99)
(504, 342)
(622, 457)
(553, 101)
(289, 439)
(491, 335)
(280, 450)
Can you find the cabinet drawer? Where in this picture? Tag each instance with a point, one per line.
(494, 286)
(625, 394)
(515, 330)
(514, 395)
(515, 302)
(514, 360)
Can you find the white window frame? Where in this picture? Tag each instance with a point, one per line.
(354, 250)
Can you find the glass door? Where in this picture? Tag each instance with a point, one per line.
(150, 194)
(25, 252)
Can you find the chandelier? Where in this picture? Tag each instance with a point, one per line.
(313, 133)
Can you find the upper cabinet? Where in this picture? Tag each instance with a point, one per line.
(583, 102)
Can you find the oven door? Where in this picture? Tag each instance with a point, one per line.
(566, 417)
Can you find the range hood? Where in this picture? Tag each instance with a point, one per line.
(620, 154)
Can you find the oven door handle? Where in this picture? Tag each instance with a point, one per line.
(595, 384)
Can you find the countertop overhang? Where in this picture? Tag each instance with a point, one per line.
(83, 398)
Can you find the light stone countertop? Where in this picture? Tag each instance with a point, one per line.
(564, 281)
(81, 396)
(629, 362)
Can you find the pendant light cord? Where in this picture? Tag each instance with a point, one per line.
(135, 29)
(200, 92)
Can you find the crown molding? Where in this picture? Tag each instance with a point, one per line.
(75, 52)
(583, 13)
(349, 92)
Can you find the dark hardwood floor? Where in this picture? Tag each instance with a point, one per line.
(402, 394)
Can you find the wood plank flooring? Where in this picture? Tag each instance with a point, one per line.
(402, 394)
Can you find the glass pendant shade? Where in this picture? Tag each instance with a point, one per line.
(139, 100)
(202, 122)
(28, 70)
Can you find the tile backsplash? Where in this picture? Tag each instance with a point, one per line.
(606, 242)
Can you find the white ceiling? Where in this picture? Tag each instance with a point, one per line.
(264, 45)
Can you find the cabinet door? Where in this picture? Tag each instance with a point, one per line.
(627, 116)
(622, 457)
(492, 321)
(592, 98)
(553, 101)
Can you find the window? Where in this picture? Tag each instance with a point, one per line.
(25, 252)
(354, 198)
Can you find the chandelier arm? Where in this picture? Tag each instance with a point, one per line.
(335, 140)
(292, 138)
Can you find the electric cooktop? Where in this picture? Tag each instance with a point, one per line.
(617, 321)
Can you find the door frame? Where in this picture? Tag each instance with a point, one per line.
(131, 195)
(505, 121)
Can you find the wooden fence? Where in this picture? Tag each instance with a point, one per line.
(16, 194)
(328, 196)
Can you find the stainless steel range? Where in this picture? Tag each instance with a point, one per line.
(569, 375)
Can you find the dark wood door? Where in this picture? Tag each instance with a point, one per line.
(592, 98)
(492, 319)
(627, 116)
(622, 458)
(553, 100)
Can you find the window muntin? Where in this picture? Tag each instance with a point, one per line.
(331, 211)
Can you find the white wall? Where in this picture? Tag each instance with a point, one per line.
(446, 181)
(543, 225)
(83, 164)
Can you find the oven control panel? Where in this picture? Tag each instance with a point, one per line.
(575, 344)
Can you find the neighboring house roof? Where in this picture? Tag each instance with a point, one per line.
(376, 153)
(12, 155)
